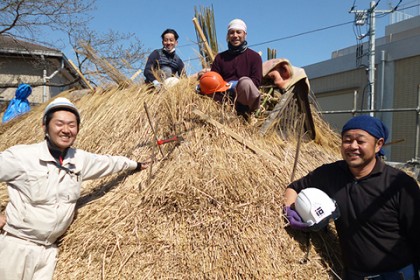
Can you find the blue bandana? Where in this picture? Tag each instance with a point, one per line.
(371, 125)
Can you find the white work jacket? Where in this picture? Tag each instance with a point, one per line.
(42, 195)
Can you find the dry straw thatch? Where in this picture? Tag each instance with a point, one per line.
(210, 209)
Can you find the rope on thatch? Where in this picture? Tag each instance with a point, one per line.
(106, 66)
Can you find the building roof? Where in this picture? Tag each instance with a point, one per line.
(11, 45)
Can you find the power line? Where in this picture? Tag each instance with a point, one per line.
(298, 34)
(322, 29)
(303, 33)
(287, 37)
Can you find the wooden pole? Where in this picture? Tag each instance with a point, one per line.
(153, 129)
(300, 135)
(203, 38)
(135, 75)
(80, 74)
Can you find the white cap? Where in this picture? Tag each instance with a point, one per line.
(237, 24)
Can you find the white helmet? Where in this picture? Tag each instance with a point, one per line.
(316, 208)
(60, 103)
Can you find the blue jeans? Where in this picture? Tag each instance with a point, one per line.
(406, 273)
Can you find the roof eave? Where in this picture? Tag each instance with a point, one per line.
(35, 52)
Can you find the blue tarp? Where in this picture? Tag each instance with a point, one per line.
(19, 104)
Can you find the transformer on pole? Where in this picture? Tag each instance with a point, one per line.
(360, 19)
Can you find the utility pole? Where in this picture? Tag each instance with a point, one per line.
(360, 19)
(372, 49)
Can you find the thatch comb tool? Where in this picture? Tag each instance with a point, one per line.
(176, 138)
(152, 127)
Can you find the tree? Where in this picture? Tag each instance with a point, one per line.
(123, 50)
(27, 19)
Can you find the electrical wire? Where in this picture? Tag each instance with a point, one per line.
(360, 36)
(353, 6)
(302, 33)
(287, 37)
(310, 31)
(357, 30)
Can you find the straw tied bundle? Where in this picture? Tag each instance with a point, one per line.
(209, 208)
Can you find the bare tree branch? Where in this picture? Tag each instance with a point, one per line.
(123, 50)
(15, 20)
(25, 17)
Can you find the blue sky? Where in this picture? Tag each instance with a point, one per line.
(274, 21)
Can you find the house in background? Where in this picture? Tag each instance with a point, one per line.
(47, 70)
(342, 88)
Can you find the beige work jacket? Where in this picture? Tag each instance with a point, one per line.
(42, 195)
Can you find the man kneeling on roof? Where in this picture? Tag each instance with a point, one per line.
(235, 73)
(164, 64)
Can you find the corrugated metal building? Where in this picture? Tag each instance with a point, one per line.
(341, 86)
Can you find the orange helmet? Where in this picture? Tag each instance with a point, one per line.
(211, 82)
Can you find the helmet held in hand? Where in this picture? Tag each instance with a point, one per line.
(316, 208)
(211, 82)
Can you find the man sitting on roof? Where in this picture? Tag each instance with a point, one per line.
(241, 67)
(164, 61)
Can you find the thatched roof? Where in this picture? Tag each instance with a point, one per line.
(210, 209)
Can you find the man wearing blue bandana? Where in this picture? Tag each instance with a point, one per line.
(379, 226)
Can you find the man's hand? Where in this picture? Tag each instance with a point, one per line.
(2, 220)
(295, 221)
(232, 86)
(202, 72)
(157, 85)
(143, 165)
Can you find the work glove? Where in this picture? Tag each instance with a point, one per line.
(295, 221)
(197, 89)
(232, 86)
(157, 85)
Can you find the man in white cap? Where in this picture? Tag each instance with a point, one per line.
(241, 67)
(44, 182)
